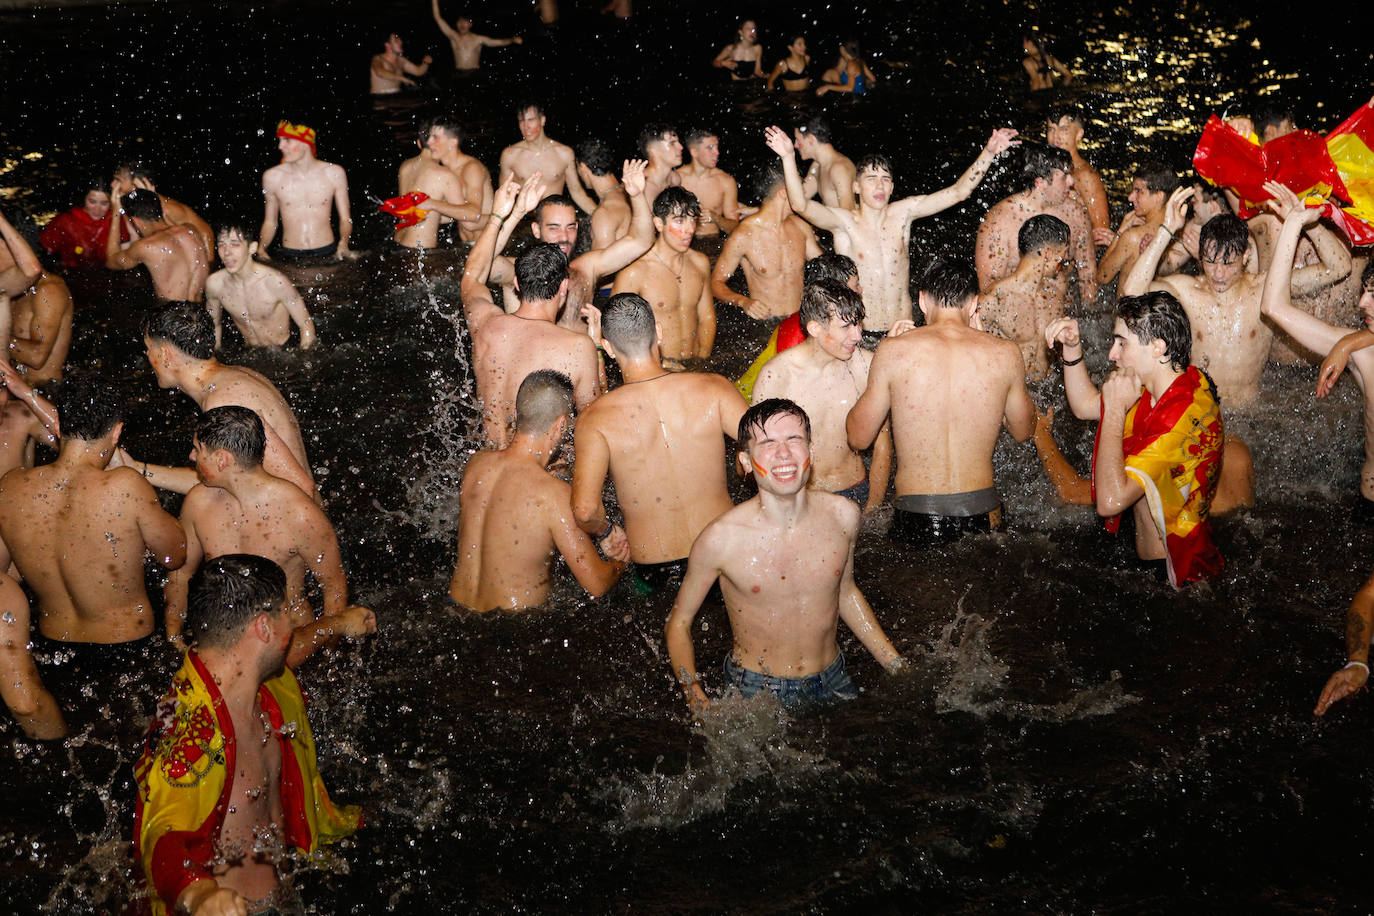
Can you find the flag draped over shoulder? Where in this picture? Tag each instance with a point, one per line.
(1335, 172)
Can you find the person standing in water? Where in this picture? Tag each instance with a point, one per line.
(538, 153)
(391, 69)
(303, 191)
(744, 56)
(467, 45)
(1041, 66)
(175, 256)
(262, 302)
(716, 190)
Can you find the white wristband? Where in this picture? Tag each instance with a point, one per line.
(1353, 664)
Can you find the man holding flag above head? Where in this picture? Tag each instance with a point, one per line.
(302, 191)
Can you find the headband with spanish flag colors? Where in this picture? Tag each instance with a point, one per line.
(297, 132)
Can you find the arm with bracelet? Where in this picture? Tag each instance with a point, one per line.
(1359, 622)
(1140, 279)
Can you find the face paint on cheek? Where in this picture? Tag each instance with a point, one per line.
(758, 468)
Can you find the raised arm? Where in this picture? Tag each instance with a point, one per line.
(444, 27)
(1359, 626)
(38, 405)
(638, 240)
(1138, 281)
(477, 302)
(573, 183)
(1002, 139)
(117, 258)
(14, 280)
(531, 192)
(1084, 399)
(1334, 267)
(814, 212)
(1277, 301)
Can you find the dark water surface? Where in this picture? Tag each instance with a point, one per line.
(1076, 738)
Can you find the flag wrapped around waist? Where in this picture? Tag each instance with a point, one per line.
(406, 208)
(1173, 449)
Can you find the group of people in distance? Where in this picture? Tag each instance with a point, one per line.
(794, 72)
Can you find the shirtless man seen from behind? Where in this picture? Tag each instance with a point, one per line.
(514, 516)
(714, 188)
(1019, 308)
(262, 302)
(176, 258)
(536, 152)
(458, 187)
(1064, 130)
(832, 174)
(130, 176)
(25, 417)
(20, 269)
(304, 191)
(878, 234)
(391, 69)
(467, 45)
(611, 218)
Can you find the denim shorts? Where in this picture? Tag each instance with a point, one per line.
(824, 687)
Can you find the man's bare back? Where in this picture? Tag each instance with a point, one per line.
(176, 260)
(506, 348)
(996, 254)
(241, 386)
(1019, 308)
(422, 173)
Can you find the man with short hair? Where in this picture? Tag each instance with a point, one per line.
(714, 188)
(596, 168)
(467, 45)
(261, 301)
(228, 776)
(1159, 435)
(458, 186)
(949, 388)
(659, 436)
(1020, 307)
(304, 191)
(1273, 121)
(1047, 174)
(675, 280)
(1150, 189)
(175, 256)
(130, 176)
(514, 516)
(877, 234)
(1064, 130)
(391, 68)
(785, 563)
(658, 143)
(832, 174)
(38, 321)
(537, 152)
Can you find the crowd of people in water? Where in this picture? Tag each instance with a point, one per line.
(878, 387)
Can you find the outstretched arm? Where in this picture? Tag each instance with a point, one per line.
(1334, 267)
(814, 212)
(1002, 139)
(1277, 302)
(444, 27)
(622, 251)
(38, 405)
(1072, 489)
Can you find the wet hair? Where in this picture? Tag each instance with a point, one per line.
(1041, 230)
(1039, 161)
(237, 430)
(676, 201)
(525, 105)
(1035, 40)
(234, 229)
(817, 127)
(554, 200)
(653, 131)
(142, 204)
(449, 125)
(948, 284)
(136, 169)
(595, 154)
(227, 593)
(767, 180)
(94, 182)
(184, 325)
(873, 162)
(1157, 176)
(1058, 113)
(1367, 277)
(757, 417)
(544, 396)
(1272, 115)
(1213, 194)
(627, 322)
(837, 267)
(539, 271)
(828, 298)
(90, 406)
(698, 135)
(1224, 236)
(1159, 316)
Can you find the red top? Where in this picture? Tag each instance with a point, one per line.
(79, 239)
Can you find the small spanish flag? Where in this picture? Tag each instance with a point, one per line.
(406, 208)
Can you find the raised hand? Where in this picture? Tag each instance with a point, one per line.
(504, 201)
(532, 192)
(1286, 204)
(632, 176)
(1063, 331)
(778, 141)
(1002, 139)
(1176, 210)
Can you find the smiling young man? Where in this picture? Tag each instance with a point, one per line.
(303, 192)
(261, 301)
(785, 563)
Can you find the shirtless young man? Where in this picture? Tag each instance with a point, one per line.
(741, 53)
(1048, 173)
(1230, 340)
(20, 270)
(714, 188)
(179, 339)
(467, 45)
(771, 245)
(304, 191)
(175, 256)
(596, 168)
(536, 152)
(514, 516)
(508, 347)
(261, 301)
(458, 186)
(660, 437)
(239, 508)
(1064, 130)
(878, 234)
(832, 173)
(1020, 307)
(25, 416)
(825, 375)
(675, 280)
(130, 176)
(39, 319)
(785, 562)
(659, 145)
(949, 388)
(390, 69)
(1150, 189)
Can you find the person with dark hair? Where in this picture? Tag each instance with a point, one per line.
(1040, 65)
(391, 68)
(1047, 173)
(228, 777)
(508, 347)
(675, 280)
(794, 70)
(949, 388)
(1273, 121)
(1064, 130)
(514, 516)
(456, 187)
(610, 220)
(1020, 307)
(304, 191)
(832, 173)
(77, 236)
(785, 563)
(538, 153)
(1208, 200)
(261, 301)
(1150, 188)
(1159, 440)
(176, 256)
(179, 340)
(715, 188)
(467, 45)
(659, 436)
(1223, 304)
(131, 176)
(658, 143)
(825, 375)
(850, 75)
(737, 56)
(877, 235)
(36, 325)
(239, 507)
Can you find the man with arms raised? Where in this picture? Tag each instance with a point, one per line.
(39, 316)
(675, 280)
(262, 302)
(1021, 306)
(506, 348)
(714, 188)
(228, 777)
(19, 275)
(878, 234)
(303, 192)
(785, 563)
(771, 245)
(661, 438)
(467, 45)
(391, 68)
(175, 256)
(832, 173)
(658, 143)
(1151, 188)
(514, 516)
(536, 152)
(458, 186)
(949, 388)
(1048, 174)
(1064, 130)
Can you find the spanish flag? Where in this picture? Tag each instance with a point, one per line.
(1335, 172)
(784, 337)
(406, 208)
